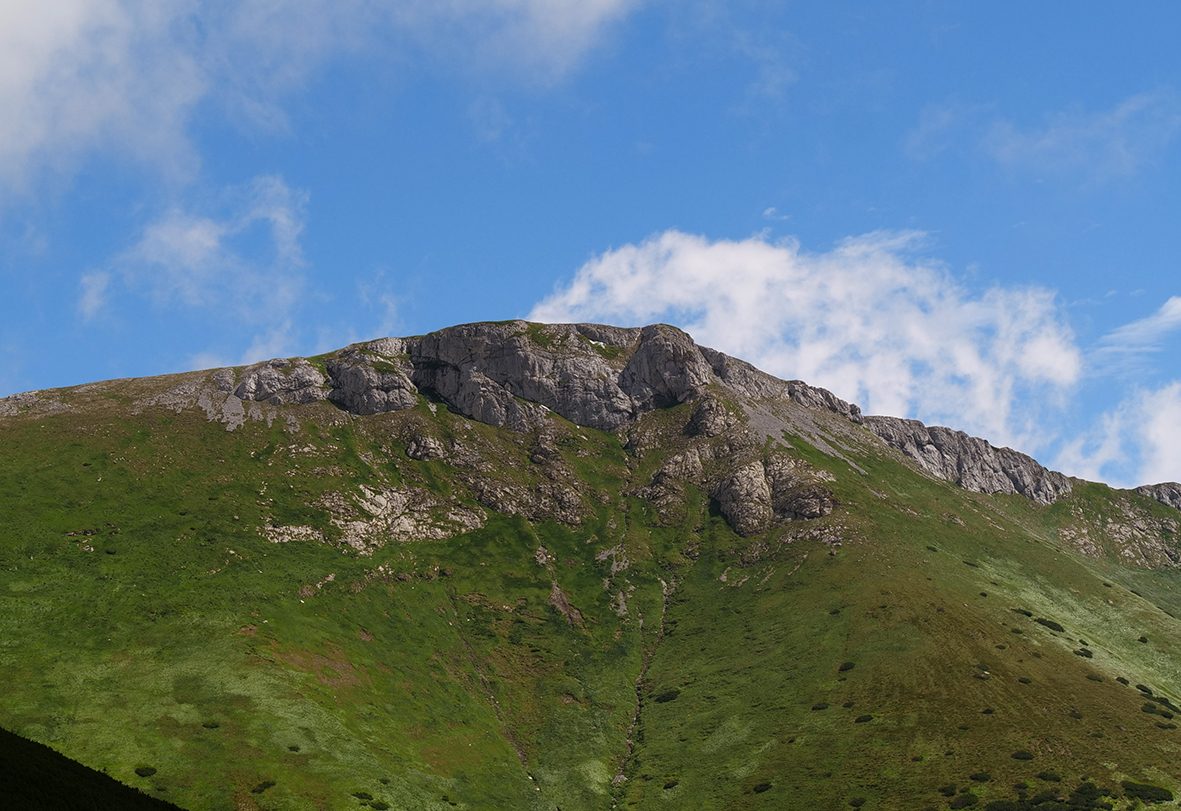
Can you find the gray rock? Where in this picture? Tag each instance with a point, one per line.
(1168, 493)
(501, 373)
(710, 418)
(970, 462)
(282, 382)
(795, 491)
(667, 368)
(744, 498)
(425, 448)
(363, 384)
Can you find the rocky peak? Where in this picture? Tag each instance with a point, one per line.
(969, 461)
(1166, 493)
(509, 374)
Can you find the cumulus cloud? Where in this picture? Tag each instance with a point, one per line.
(125, 77)
(1137, 442)
(1101, 145)
(871, 320)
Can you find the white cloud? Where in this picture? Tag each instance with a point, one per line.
(869, 319)
(1146, 334)
(1100, 145)
(94, 293)
(81, 74)
(1138, 442)
(245, 259)
(124, 77)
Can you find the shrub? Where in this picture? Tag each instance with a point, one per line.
(949, 790)
(845, 667)
(1049, 777)
(761, 787)
(1053, 626)
(671, 784)
(980, 777)
(1025, 680)
(1021, 754)
(145, 771)
(862, 719)
(856, 802)
(964, 801)
(667, 695)
(378, 805)
(819, 705)
(263, 786)
(1146, 793)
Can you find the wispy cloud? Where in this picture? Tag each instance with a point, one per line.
(125, 77)
(1098, 145)
(245, 258)
(1137, 442)
(870, 319)
(93, 295)
(1130, 349)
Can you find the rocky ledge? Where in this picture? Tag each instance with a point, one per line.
(969, 461)
(1168, 493)
(510, 374)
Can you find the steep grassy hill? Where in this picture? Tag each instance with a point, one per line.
(34, 776)
(232, 594)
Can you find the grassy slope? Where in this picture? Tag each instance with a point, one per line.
(34, 776)
(175, 636)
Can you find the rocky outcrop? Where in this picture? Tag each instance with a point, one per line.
(511, 374)
(781, 489)
(970, 462)
(371, 383)
(287, 381)
(1166, 493)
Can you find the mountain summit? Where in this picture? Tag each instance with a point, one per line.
(572, 566)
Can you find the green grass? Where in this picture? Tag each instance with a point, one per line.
(145, 622)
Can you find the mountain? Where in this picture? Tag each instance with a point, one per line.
(514, 565)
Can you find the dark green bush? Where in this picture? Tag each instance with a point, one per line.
(1053, 626)
(1146, 793)
(145, 771)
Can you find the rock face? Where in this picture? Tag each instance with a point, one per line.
(781, 488)
(282, 382)
(510, 374)
(970, 462)
(1166, 493)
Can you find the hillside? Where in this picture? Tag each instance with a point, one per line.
(572, 566)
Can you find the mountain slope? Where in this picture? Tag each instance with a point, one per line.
(515, 565)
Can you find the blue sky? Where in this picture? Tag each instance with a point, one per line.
(960, 212)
